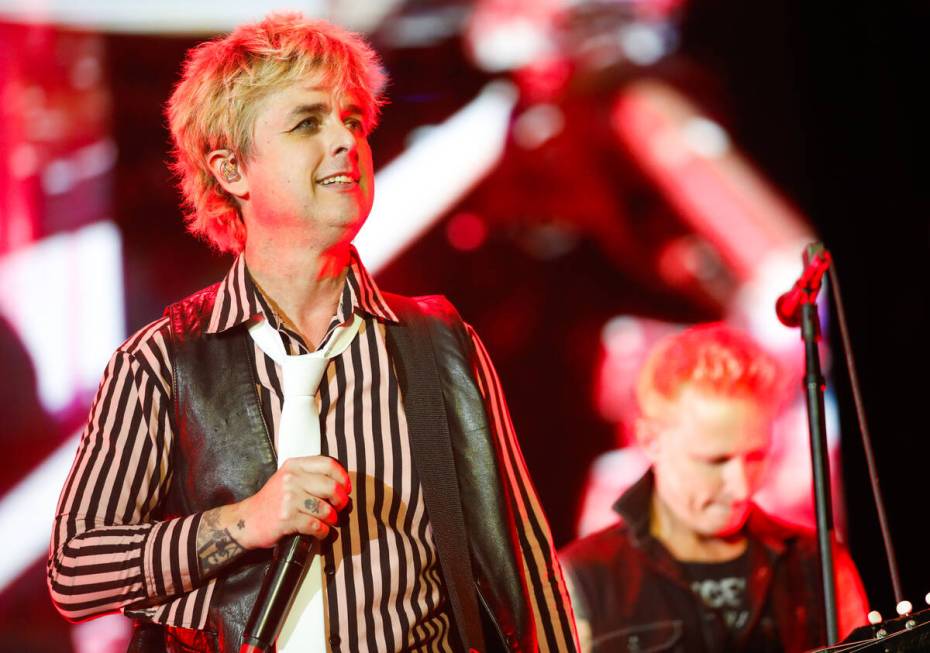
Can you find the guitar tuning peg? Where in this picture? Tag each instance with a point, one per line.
(904, 608)
(875, 617)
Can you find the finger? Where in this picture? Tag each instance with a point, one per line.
(313, 527)
(340, 498)
(326, 466)
(324, 487)
(317, 507)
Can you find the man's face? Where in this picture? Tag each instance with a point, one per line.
(310, 165)
(708, 453)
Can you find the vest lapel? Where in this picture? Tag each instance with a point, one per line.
(222, 451)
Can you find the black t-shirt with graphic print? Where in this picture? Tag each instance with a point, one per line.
(722, 587)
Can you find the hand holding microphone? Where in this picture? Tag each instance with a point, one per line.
(296, 508)
(303, 497)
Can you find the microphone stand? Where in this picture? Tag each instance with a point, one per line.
(816, 421)
(797, 307)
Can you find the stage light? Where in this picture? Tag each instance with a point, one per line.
(64, 297)
(466, 231)
(444, 163)
(28, 510)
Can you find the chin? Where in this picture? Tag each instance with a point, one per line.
(349, 221)
(728, 530)
(734, 524)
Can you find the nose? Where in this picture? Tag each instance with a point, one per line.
(343, 140)
(738, 481)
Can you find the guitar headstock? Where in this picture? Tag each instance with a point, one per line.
(906, 632)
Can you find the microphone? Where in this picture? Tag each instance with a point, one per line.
(805, 289)
(277, 594)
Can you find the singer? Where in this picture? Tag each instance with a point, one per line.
(294, 397)
(695, 565)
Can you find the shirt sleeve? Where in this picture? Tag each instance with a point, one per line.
(579, 607)
(555, 624)
(106, 552)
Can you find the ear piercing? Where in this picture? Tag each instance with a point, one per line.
(229, 171)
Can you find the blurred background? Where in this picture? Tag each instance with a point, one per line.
(580, 177)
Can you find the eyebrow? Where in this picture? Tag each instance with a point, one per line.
(320, 107)
(303, 109)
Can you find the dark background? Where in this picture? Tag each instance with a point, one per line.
(831, 108)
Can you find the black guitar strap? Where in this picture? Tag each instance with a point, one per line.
(413, 353)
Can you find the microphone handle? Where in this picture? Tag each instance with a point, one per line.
(277, 594)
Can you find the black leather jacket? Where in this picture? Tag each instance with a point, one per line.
(214, 394)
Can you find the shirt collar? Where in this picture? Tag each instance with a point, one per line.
(365, 293)
(238, 299)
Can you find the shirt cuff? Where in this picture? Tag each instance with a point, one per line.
(169, 557)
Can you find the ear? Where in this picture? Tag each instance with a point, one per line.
(228, 172)
(647, 436)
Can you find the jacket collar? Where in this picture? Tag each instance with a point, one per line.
(634, 507)
(238, 299)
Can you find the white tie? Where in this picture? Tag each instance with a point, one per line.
(304, 629)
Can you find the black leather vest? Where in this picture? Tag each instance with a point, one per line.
(223, 454)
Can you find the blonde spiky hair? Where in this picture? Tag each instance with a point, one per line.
(215, 103)
(713, 358)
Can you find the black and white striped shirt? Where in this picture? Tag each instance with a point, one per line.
(381, 576)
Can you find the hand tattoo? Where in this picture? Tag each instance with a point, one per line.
(312, 504)
(215, 545)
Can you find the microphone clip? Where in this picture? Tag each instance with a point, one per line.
(805, 290)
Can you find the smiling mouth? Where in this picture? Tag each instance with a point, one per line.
(340, 180)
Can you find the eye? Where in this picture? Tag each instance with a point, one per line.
(311, 123)
(355, 124)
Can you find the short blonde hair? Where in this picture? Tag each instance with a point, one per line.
(214, 104)
(713, 358)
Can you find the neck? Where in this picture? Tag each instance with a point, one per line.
(686, 544)
(303, 283)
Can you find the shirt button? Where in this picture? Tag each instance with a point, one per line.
(330, 570)
(334, 641)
